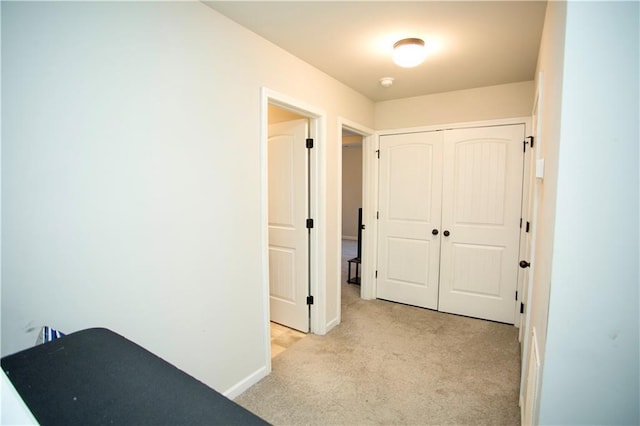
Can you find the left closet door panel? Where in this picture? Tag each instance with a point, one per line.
(409, 211)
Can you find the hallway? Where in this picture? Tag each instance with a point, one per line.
(389, 363)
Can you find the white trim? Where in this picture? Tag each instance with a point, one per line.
(529, 401)
(354, 127)
(318, 196)
(317, 267)
(462, 125)
(533, 207)
(246, 383)
(331, 323)
(370, 208)
(334, 322)
(524, 207)
(264, 229)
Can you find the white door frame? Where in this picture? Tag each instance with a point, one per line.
(527, 334)
(371, 162)
(369, 139)
(317, 197)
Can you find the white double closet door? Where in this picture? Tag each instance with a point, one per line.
(449, 220)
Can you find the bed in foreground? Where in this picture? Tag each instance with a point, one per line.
(96, 376)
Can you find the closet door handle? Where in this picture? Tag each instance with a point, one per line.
(434, 232)
(446, 233)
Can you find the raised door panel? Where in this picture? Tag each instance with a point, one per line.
(282, 263)
(282, 188)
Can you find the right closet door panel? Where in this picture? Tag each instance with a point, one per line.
(481, 202)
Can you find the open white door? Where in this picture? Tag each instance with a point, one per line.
(288, 235)
(409, 218)
(526, 235)
(482, 190)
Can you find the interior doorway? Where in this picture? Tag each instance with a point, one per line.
(357, 225)
(290, 177)
(351, 183)
(288, 209)
(351, 258)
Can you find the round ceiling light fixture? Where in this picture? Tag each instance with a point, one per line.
(409, 52)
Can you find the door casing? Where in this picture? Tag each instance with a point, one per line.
(317, 197)
(527, 332)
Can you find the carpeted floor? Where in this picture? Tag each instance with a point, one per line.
(389, 363)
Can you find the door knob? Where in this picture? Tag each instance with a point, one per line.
(434, 232)
(524, 264)
(446, 233)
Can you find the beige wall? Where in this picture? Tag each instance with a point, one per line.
(351, 186)
(584, 305)
(550, 64)
(484, 103)
(132, 199)
(278, 115)
(591, 356)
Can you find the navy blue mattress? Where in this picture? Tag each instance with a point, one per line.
(96, 377)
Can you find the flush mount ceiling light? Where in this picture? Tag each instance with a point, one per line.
(409, 52)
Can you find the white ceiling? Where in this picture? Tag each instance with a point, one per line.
(477, 43)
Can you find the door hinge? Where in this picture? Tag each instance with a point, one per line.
(376, 274)
(309, 142)
(378, 153)
(520, 223)
(516, 295)
(522, 308)
(526, 228)
(309, 300)
(309, 223)
(531, 139)
(378, 215)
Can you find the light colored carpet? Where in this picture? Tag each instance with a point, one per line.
(389, 363)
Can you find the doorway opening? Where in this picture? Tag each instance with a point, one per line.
(357, 225)
(289, 253)
(291, 175)
(351, 258)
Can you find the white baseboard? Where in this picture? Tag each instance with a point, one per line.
(350, 238)
(246, 383)
(530, 398)
(333, 323)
